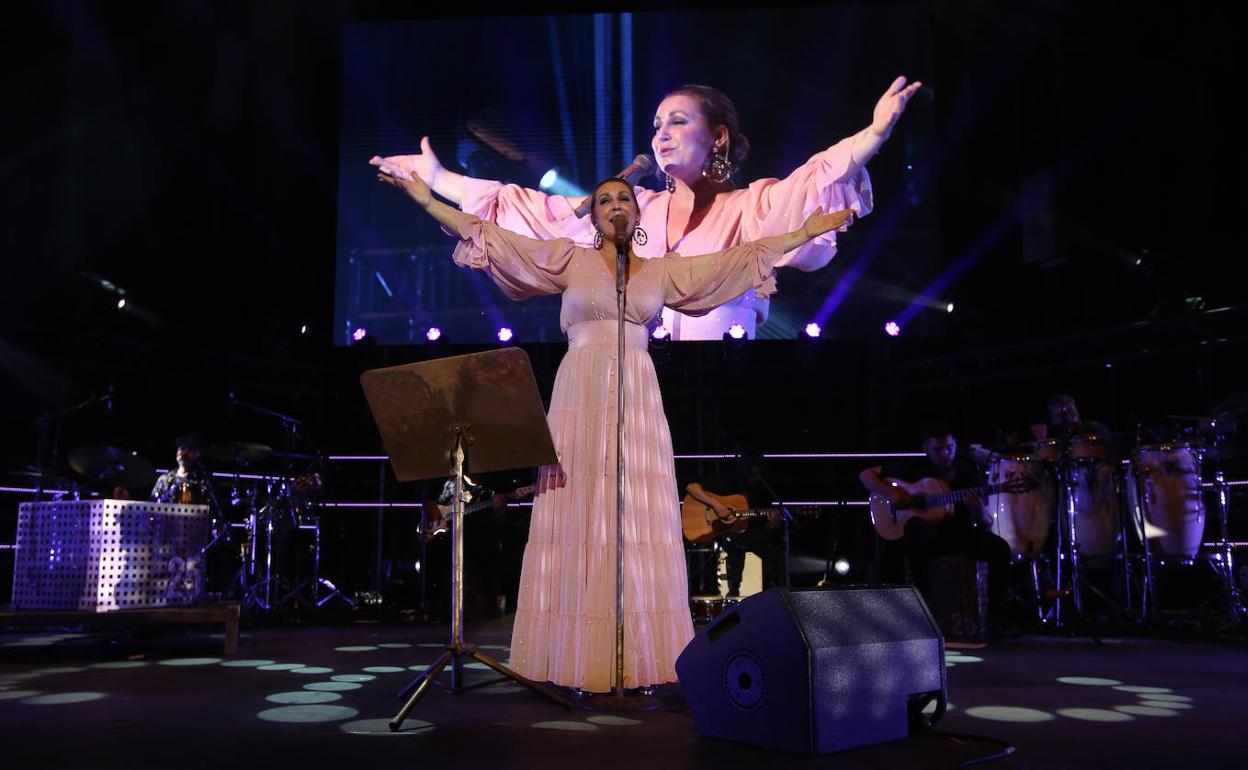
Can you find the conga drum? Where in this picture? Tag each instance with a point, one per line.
(1163, 487)
(1022, 519)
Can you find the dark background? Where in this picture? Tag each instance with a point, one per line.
(187, 152)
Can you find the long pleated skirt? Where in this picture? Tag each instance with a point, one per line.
(565, 618)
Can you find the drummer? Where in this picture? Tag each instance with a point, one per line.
(1064, 422)
(188, 483)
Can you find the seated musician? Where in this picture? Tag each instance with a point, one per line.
(1065, 422)
(965, 532)
(187, 483)
(760, 536)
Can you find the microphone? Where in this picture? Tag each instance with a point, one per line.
(108, 402)
(642, 165)
(620, 223)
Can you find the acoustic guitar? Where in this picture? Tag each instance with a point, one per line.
(701, 524)
(933, 502)
(436, 514)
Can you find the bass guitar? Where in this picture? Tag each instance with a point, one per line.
(436, 514)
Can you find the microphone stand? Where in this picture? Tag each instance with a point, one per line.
(618, 701)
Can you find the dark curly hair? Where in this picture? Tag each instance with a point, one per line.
(718, 110)
(594, 196)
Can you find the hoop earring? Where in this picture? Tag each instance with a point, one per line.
(597, 238)
(639, 236)
(717, 167)
(668, 182)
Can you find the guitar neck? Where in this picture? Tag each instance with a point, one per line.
(948, 498)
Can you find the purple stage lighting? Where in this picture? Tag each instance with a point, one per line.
(660, 332)
(504, 334)
(813, 330)
(736, 331)
(433, 334)
(892, 329)
(359, 334)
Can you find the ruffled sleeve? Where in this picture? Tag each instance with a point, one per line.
(522, 267)
(829, 179)
(527, 212)
(698, 285)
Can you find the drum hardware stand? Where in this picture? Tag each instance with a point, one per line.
(290, 434)
(1148, 597)
(460, 398)
(1068, 550)
(316, 581)
(1223, 561)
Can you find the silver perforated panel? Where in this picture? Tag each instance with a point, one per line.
(102, 555)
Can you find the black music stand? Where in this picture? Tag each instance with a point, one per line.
(439, 415)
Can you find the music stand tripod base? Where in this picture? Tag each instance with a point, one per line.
(486, 404)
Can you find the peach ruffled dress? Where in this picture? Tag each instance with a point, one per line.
(766, 207)
(565, 619)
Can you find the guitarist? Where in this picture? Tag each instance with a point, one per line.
(762, 536)
(493, 547)
(966, 532)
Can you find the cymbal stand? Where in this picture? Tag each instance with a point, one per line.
(47, 435)
(290, 434)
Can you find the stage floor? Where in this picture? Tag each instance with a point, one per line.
(319, 697)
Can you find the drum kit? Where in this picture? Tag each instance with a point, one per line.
(1135, 509)
(254, 553)
(261, 523)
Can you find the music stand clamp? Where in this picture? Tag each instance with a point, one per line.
(482, 409)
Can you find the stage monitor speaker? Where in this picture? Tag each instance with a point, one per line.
(815, 671)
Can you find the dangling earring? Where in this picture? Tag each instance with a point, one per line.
(668, 182)
(639, 236)
(597, 238)
(717, 167)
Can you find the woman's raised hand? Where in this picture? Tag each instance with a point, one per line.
(413, 185)
(424, 164)
(890, 106)
(819, 223)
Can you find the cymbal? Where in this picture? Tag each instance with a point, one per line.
(239, 452)
(31, 475)
(111, 465)
(1188, 418)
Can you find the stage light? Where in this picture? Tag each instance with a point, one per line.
(303, 329)
(736, 331)
(121, 304)
(842, 567)
(949, 308)
(813, 330)
(505, 334)
(433, 334)
(660, 332)
(892, 329)
(359, 334)
(556, 184)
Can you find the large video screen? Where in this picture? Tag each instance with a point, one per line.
(556, 103)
